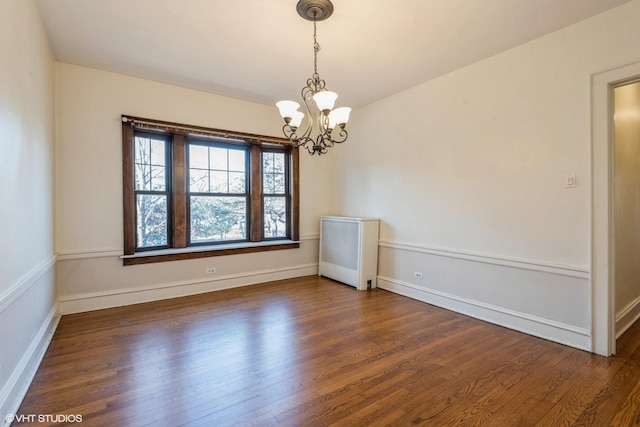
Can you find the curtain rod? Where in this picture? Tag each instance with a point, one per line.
(159, 125)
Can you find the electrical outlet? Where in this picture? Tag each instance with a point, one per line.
(417, 275)
(211, 270)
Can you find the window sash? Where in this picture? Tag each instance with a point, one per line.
(286, 195)
(221, 225)
(229, 224)
(140, 193)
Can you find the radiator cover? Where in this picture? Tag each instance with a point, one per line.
(349, 250)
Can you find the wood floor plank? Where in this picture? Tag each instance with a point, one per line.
(311, 351)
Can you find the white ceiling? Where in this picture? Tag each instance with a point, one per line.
(261, 50)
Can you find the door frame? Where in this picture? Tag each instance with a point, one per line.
(603, 316)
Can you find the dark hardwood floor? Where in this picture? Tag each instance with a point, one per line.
(311, 351)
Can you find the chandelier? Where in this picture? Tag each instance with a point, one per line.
(329, 123)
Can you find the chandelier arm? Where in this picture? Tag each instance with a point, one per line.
(341, 137)
(290, 133)
(306, 143)
(323, 125)
(322, 146)
(325, 140)
(307, 91)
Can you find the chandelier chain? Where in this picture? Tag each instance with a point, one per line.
(316, 49)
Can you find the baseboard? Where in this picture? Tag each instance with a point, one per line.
(100, 300)
(627, 317)
(12, 394)
(522, 322)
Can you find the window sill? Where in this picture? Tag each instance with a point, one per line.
(195, 252)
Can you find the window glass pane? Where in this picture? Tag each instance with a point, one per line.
(158, 179)
(237, 160)
(198, 181)
(219, 182)
(275, 217)
(278, 184)
(142, 150)
(198, 156)
(157, 154)
(267, 162)
(267, 183)
(237, 182)
(218, 218)
(150, 164)
(218, 158)
(273, 173)
(151, 220)
(143, 176)
(278, 162)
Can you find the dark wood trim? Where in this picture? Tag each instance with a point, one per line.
(295, 195)
(257, 221)
(179, 192)
(144, 259)
(162, 126)
(128, 196)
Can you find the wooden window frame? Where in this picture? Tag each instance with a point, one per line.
(179, 137)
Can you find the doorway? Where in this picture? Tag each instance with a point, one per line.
(626, 204)
(603, 212)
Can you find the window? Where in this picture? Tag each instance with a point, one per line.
(191, 192)
(275, 200)
(218, 193)
(151, 191)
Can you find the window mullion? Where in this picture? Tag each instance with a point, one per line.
(255, 181)
(179, 192)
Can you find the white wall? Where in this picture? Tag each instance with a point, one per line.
(89, 104)
(28, 310)
(467, 173)
(627, 205)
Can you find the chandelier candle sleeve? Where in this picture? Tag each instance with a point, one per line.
(324, 126)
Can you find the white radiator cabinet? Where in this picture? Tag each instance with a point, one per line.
(349, 250)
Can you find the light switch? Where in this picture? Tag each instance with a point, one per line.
(570, 181)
